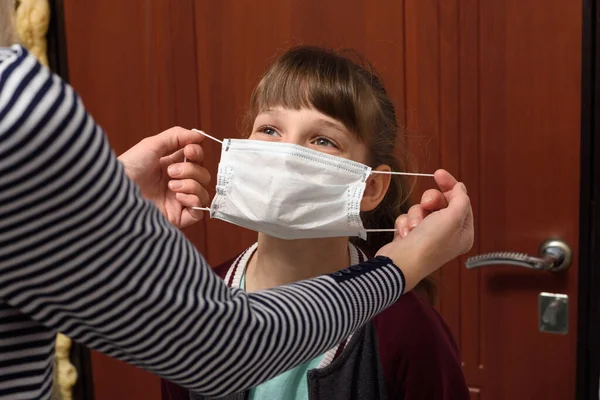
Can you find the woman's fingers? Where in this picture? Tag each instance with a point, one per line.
(189, 215)
(190, 187)
(433, 200)
(194, 153)
(444, 180)
(402, 226)
(189, 170)
(415, 215)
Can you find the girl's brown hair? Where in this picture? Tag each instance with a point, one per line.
(351, 93)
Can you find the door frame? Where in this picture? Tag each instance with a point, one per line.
(588, 320)
(588, 313)
(57, 58)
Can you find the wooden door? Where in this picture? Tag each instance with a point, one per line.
(524, 169)
(487, 89)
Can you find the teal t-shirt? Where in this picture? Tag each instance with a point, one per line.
(292, 384)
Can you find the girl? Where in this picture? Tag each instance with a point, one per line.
(322, 100)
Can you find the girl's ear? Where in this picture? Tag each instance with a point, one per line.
(377, 186)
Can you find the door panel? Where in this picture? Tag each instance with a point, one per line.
(133, 65)
(528, 188)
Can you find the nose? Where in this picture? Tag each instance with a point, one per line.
(294, 137)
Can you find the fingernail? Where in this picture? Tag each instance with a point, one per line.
(174, 170)
(463, 187)
(413, 221)
(405, 232)
(426, 199)
(175, 184)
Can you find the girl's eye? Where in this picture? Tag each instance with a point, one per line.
(324, 142)
(268, 130)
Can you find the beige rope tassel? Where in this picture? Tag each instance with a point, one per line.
(66, 374)
(32, 20)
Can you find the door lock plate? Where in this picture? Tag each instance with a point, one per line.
(553, 313)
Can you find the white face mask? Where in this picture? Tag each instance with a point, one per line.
(289, 191)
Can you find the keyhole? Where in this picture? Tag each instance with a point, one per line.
(551, 312)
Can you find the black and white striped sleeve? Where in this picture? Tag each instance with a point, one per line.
(81, 252)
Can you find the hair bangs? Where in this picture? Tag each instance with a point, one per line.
(312, 78)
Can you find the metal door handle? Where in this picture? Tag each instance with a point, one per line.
(554, 255)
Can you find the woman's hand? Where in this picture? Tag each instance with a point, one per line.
(431, 201)
(440, 229)
(156, 165)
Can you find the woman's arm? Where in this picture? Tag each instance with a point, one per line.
(83, 253)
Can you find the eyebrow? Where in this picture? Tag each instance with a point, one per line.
(323, 122)
(329, 124)
(270, 111)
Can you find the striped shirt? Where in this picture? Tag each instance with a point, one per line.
(81, 252)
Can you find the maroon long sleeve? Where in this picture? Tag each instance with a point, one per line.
(421, 362)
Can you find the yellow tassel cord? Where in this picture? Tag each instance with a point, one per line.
(32, 20)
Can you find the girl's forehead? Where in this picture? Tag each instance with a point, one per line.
(303, 113)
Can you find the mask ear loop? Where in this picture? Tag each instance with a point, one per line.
(185, 160)
(401, 173)
(407, 174)
(203, 134)
(207, 135)
(412, 174)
